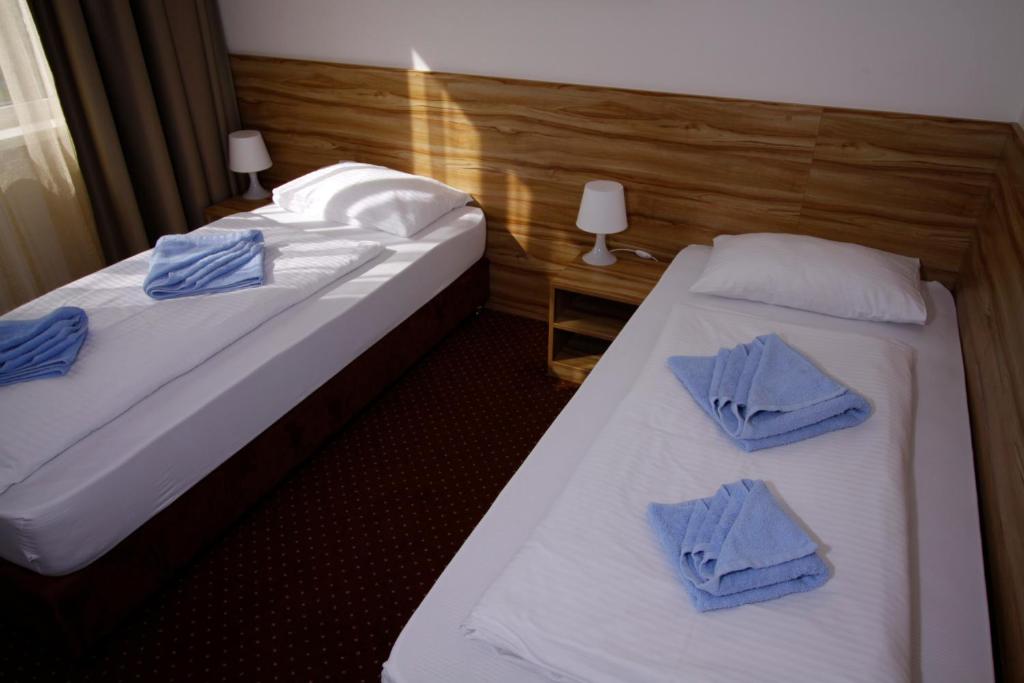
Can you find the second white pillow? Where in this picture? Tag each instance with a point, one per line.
(813, 274)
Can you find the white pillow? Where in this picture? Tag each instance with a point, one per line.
(835, 278)
(370, 196)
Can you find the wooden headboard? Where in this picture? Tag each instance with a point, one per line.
(990, 305)
(695, 167)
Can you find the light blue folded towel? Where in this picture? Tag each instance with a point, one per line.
(765, 394)
(186, 265)
(736, 547)
(43, 347)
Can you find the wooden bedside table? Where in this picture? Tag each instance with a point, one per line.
(232, 205)
(588, 306)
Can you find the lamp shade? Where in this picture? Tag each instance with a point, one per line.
(246, 152)
(603, 208)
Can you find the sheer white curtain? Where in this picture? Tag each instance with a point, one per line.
(47, 234)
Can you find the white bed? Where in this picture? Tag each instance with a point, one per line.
(950, 636)
(83, 502)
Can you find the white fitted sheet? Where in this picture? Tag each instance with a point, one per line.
(590, 596)
(95, 493)
(137, 344)
(950, 631)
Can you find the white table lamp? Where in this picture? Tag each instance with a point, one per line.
(248, 154)
(602, 212)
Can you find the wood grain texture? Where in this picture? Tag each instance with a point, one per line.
(883, 178)
(693, 167)
(990, 305)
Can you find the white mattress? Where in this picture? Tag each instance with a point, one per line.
(95, 493)
(950, 633)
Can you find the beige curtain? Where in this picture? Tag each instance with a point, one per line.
(47, 234)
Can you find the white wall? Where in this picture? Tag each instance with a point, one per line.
(947, 57)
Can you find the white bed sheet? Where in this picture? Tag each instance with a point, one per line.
(136, 344)
(950, 631)
(591, 598)
(91, 496)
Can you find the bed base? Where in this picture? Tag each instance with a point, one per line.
(76, 610)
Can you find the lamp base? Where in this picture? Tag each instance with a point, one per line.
(255, 191)
(599, 255)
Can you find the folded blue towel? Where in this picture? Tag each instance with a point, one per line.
(736, 547)
(43, 347)
(765, 394)
(185, 265)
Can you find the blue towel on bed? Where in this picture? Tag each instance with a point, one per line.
(43, 347)
(736, 547)
(765, 394)
(186, 265)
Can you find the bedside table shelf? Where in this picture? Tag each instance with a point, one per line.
(590, 315)
(588, 307)
(575, 355)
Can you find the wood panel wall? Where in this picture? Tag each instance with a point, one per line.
(693, 167)
(990, 305)
(948, 191)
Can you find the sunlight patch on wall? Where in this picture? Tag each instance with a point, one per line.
(418, 62)
(464, 150)
(446, 143)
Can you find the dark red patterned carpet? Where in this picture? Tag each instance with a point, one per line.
(316, 582)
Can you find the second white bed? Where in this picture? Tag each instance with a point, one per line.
(591, 598)
(950, 640)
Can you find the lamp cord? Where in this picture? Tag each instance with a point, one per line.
(645, 255)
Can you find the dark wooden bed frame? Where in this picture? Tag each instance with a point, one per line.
(75, 610)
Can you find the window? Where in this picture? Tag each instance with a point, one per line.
(48, 236)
